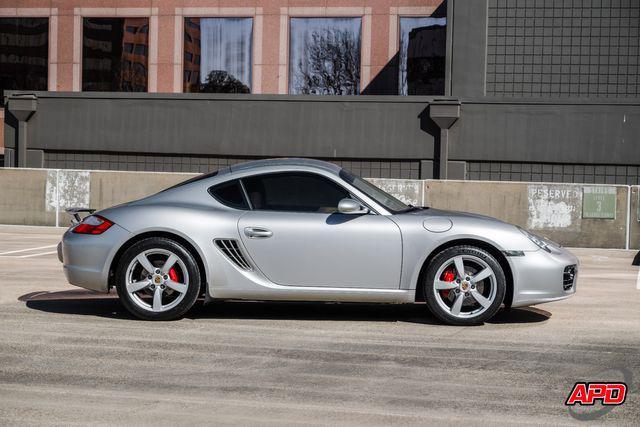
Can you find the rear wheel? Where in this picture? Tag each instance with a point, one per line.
(464, 285)
(157, 279)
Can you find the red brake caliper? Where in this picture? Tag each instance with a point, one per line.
(173, 274)
(448, 276)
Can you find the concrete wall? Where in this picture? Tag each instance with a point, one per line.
(32, 197)
(113, 188)
(39, 196)
(551, 210)
(22, 198)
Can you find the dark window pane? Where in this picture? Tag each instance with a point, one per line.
(108, 44)
(140, 50)
(422, 55)
(219, 51)
(230, 194)
(324, 56)
(295, 192)
(24, 49)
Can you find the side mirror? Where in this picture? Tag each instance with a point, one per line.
(351, 207)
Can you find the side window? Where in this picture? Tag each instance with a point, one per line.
(294, 192)
(229, 194)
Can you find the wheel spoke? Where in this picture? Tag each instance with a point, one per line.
(487, 272)
(442, 285)
(144, 262)
(136, 286)
(169, 263)
(457, 304)
(178, 287)
(157, 299)
(480, 298)
(459, 262)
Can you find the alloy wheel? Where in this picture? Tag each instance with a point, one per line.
(465, 286)
(157, 280)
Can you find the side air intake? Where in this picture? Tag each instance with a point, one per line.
(231, 249)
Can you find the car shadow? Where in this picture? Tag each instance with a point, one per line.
(88, 303)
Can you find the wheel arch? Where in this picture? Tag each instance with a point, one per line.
(159, 233)
(495, 252)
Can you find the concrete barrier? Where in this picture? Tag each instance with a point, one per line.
(110, 188)
(23, 197)
(40, 196)
(554, 210)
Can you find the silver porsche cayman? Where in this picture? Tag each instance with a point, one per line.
(307, 230)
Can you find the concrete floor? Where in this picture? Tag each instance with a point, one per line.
(72, 357)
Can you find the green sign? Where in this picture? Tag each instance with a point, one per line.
(599, 202)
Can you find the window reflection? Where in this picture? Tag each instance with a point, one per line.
(422, 55)
(324, 56)
(217, 55)
(24, 45)
(115, 54)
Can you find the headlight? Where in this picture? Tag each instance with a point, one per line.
(541, 242)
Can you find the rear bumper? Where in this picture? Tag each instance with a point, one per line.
(86, 258)
(540, 277)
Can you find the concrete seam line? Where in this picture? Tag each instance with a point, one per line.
(628, 225)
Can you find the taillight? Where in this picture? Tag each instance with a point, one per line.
(93, 224)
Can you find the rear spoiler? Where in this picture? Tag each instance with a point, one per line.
(75, 213)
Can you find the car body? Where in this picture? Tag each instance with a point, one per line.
(271, 230)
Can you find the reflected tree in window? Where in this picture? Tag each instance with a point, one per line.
(422, 56)
(218, 81)
(24, 46)
(325, 56)
(217, 55)
(115, 54)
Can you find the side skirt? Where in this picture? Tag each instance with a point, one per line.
(295, 293)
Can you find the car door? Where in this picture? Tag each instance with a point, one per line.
(296, 237)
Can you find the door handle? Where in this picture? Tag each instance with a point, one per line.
(257, 233)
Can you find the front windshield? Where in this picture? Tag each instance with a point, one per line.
(383, 198)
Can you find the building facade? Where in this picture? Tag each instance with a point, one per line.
(250, 41)
(532, 89)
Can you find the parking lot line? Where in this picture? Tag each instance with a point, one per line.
(38, 254)
(27, 250)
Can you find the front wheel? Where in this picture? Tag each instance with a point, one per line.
(464, 285)
(157, 279)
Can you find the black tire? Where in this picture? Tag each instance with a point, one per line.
(189, 263)
(431, 293)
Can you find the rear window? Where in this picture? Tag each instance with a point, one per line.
(229, 194)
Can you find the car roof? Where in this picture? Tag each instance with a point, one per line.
(257, 165)
(290, 162)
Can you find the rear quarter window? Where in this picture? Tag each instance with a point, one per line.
(230, 194)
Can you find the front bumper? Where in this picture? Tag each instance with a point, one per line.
(86, 258)
(541, 276)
